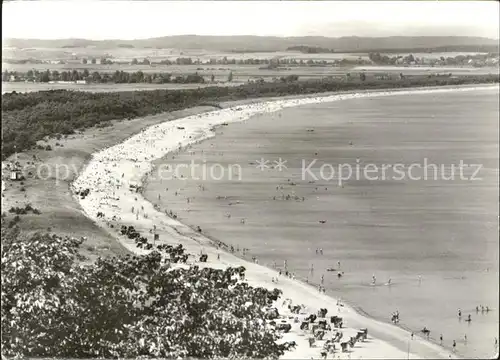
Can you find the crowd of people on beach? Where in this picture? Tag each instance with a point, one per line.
(108, 179)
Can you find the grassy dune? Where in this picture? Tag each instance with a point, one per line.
(48, 189)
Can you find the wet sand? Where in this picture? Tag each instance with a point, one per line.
(444, 231)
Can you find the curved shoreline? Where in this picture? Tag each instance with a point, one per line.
(123, 164)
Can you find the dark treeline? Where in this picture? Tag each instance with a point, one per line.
(310, 49)
(29, 117)
(118, 77)
(477, 60)
(438, 49)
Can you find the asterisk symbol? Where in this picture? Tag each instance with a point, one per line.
(262, 164)
(280, 164)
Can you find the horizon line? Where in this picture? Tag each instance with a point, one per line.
(261, 36)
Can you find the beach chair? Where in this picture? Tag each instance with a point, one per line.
(203, 258)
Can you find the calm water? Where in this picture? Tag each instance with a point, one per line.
(445, 231)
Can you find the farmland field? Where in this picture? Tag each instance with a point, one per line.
(127, 54)
(124, 54)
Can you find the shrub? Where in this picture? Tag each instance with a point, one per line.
(126, 306)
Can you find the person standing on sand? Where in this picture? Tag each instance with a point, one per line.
(321, 251)
(374, 279)
(441, 339)
(454, 345)
(322, 279)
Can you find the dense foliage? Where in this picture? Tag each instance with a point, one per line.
(52, 306)
(477, 60)
(118, 77)
(29, 117)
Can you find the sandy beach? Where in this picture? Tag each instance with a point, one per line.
(110, 173)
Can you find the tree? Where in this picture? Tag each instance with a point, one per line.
(85, 73)
(65, 76)
(134, 61)
(45, 76)
(84, 61)
(127, 307)
(93, 61)
(75, 75)
(212, 78)
(230, 77)
(55, 75)
(362, 76)
(96, 77)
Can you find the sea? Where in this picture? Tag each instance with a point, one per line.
(398, 194)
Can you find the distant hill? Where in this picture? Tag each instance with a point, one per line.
(271, 43)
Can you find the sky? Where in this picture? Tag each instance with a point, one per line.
(97, 20)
